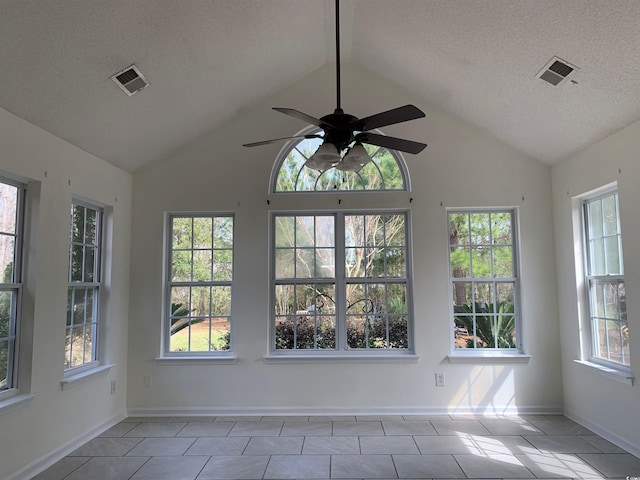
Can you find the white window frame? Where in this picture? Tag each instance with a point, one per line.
(94, 286)
(220, 356)
(340, 281)
(16, 287)
(589, 277)
(518, 351)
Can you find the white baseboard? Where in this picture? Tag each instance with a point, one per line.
(603, 432)
(59, 453)
(328, 411)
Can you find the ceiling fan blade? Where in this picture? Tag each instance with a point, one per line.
(392, 143)
(276, 140)
(390, 117)
(301, 116)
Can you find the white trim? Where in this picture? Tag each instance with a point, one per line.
(83, 376)
(491, 358)
(41, 464)
(621, 376)
(338, 358)
(488, 410)
(16, 401)
(195, 360)
(603, 432)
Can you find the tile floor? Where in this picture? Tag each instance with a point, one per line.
(370, 447)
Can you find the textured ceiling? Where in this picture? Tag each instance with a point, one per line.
(208, 60)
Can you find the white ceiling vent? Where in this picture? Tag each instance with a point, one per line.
(130, 80)
(556, 71)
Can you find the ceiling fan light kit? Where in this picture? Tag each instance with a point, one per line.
(346, 133)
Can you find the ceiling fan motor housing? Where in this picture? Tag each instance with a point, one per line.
(338, 129)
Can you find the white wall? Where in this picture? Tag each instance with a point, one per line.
(608, 406)
(462, 166)
(55, 418)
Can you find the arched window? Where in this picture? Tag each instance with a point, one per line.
(386, 171)
(341, 281)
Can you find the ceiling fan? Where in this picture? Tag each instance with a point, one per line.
(346, 132)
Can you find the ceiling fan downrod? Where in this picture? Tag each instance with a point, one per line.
(338, 108)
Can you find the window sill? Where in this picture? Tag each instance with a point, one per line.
(489, 358)
(337, 358)
(76, 378)
(195, 360)
(621, 376)
(16, 401)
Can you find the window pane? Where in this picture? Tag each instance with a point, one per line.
(597, 263)
(79, 306)
(595, 219)
(375, 262)
(502, 262)
(479, 228)
(354, 230)
(305, 264)
(481, 262)
(223, 265)
(326, 332)
(203, 232)
(181, 266)
(394, 230)
(396, 262)
(202, 265)
(612, 255)
(89, 264)
(182, 233)
(501, 228)
(284, 262)
(200, 301)
(284, 330)
(325, 234)
(284, 299)
(90, 226)
(305, 232)
(5, 355)
(223, 232)
(221, 301)
(398, 332)
(7, 253)
(285, 232)
(355, 262)
(356, 337)
(8, 208)
(220, 334)
(460, 262)
(77, 262)
(325, 262)
(77, 223)
(459, 229)
(609, 215)
(396, 299)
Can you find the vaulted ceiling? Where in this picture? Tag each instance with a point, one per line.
(209, 60)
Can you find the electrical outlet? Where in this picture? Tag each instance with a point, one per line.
(439, 379)
(146, 381)
(113, 387)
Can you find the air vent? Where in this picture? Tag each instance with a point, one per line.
(556, 71)
(130, 80)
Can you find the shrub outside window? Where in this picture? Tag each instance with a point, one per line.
(11, 230)
(83, 294)
(605, 280)
(199, 284)
(484, 279)
(341, 282)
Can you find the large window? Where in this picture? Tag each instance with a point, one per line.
(200, 275)
(341, 282)
(83, 294)
(484, 279)
(605, 280)
(11, 227)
